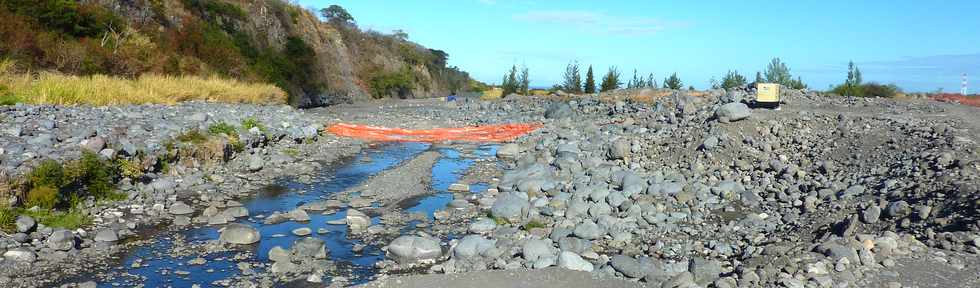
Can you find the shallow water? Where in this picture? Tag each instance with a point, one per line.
(158, 268)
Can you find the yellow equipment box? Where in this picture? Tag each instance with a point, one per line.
(767, 93)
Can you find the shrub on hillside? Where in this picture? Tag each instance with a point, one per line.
(45, 197)
(388, 83)
(870, 89)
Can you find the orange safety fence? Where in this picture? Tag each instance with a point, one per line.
(486, 133)
(965, 100)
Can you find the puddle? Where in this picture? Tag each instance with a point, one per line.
(158, 267)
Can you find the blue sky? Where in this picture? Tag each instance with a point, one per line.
(919, 45)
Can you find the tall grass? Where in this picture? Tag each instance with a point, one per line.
(101, 90)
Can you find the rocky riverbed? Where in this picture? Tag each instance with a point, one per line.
(682, 192)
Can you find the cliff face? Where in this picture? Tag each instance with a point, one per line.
(318, 62)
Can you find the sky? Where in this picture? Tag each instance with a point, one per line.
(919, 45)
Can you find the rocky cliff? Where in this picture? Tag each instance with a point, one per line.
(317, 61)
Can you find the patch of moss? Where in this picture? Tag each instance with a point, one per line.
(292, 152)
(250, 123)
(534, 224)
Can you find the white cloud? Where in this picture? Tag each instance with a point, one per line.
(598, 22)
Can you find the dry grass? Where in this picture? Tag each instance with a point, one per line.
(101, 90)
(492, 93)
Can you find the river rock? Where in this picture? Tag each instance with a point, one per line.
(309, 248)
(732, 112)
(61, 240)
(20, 255)
(180, 208)
(25, 224)
(106, 235)
(236, 233)
(411, 249)
(357, 221)
(510, 206)
(572, 261)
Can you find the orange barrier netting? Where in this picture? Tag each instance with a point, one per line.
(965, 100)
(486, 133)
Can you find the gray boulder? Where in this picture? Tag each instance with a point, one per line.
(107, 235)
(572, 261)
(588, 230)
(25, 224)
(410, 249)
(537, 248)
(509, 151)
(309, 248)
(236, 233)
(61, 240)
(20, 254)
(357, 221)
(472, 246)
(181, 208)
(732, 112)
(510, 206)
(630, 266)
(559, 110)
(705, 271)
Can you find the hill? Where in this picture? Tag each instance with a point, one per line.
(317, 62)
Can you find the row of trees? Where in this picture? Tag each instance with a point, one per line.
(572, 80)
(514, 82)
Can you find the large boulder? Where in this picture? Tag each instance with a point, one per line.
(309, 248)
(20, 255)
(61, 240)
(631, 267)
(472, 246)
(559, 110)
(181, 208)
(572, 261)
(25, 224)
(357, 221)
(510, 206)
(509, 151)
(537, 248)
(410, 249)
(732, 112)
(236, 233)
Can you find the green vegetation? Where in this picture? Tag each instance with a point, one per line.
(589, 81)
(500, 220)
(534, 224)
(71, 219)
(611, 80)
(573, 80)
(523, 82)
(223, 128)
(732, 80)
(673, 82)
(193, 136)
(292, 152)
(249, 123)
(777, 72)
(56, 190)
(45, 197)
(8, 219)
(337, 14)
(398, 83)
(131, 169)
(510, 83)
(854, 86)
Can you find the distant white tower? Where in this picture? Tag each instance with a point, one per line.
(963, 85)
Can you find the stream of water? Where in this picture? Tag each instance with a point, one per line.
(157, 267)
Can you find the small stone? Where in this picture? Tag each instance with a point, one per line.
(302, 231)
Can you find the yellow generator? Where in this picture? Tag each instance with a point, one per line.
(767, 95)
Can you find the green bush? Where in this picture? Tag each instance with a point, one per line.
(534, 224)
(384, 84)
(223, 128)
(45, 197)
(48, 173)
(94, 173)
(249, 123)
(71, 219)
(67, 16)
(6, 97)
(871, 89)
